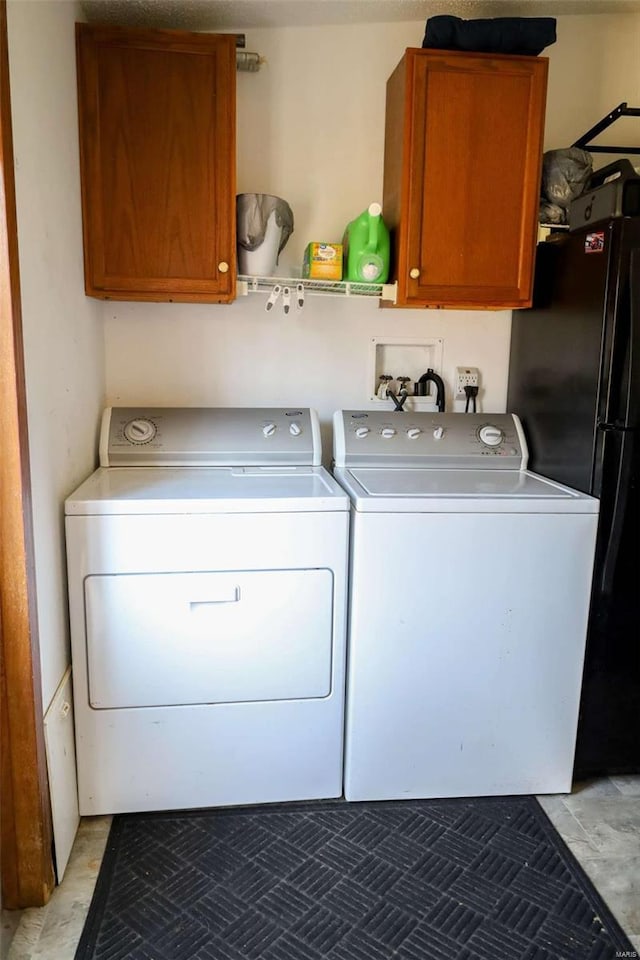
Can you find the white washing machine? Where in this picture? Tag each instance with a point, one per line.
(469, 592)
(207, 562)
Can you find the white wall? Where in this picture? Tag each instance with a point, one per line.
(310, 129)
(594, 66)
(63, 338)
(239, 355)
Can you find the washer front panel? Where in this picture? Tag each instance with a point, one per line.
(466, 643)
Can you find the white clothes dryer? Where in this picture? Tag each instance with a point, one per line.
(207, 561)
(469, 592)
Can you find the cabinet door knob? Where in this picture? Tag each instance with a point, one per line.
(414, 273)
(223, 266)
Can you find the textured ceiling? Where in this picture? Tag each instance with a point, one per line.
(229, 14)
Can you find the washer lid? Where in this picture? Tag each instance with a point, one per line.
(165, 490)
(459, 491)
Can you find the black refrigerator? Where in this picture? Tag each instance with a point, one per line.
(574, 379)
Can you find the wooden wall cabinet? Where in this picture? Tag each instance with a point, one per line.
(463, 154)
(157, 154)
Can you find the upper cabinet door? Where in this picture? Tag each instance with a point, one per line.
(157, 148)
(463, 158)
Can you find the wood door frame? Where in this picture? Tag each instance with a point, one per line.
(26, 857)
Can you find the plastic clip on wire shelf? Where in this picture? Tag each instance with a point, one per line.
(331, 288)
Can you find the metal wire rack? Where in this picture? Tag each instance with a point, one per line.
(330, 288)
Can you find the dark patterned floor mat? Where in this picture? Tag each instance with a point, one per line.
(480, 879)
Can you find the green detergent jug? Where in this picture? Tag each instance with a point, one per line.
(366, 247)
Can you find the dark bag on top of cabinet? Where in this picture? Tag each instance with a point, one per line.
(520, 35)
(612, 191)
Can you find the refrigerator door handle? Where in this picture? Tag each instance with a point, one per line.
(615, 427)
(627, 430)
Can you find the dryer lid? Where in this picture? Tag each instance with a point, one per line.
(180, 490)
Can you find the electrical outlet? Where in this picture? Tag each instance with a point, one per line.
(466, 377)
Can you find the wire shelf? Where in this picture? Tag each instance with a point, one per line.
(330, 288)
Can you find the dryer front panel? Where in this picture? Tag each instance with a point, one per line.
(170, 639)
(160, 613)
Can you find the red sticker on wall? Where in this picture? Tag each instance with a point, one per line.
(594, 242)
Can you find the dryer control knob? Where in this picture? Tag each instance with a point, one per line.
(490, 435)
(269, 429)
(295, 429)
(362, 432)
(438, 433)
(388, 432)
(414, 432)
(140, 430)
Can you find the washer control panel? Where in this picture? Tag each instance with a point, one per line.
(451, 440)
(209, 436)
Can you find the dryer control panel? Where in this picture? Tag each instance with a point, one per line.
(210, 436)
(449, 440)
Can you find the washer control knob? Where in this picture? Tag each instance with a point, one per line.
(388, 432)
(413, 433)
(490, 435)
(295, 429)
(269, 429)
(362, 432)
(140, 430)
(438, 433)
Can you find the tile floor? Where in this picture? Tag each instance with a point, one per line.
(599, 821)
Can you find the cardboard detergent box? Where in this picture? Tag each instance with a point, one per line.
(322, 261)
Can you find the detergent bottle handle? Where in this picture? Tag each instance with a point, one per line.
(373, 212)
(373, 233)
